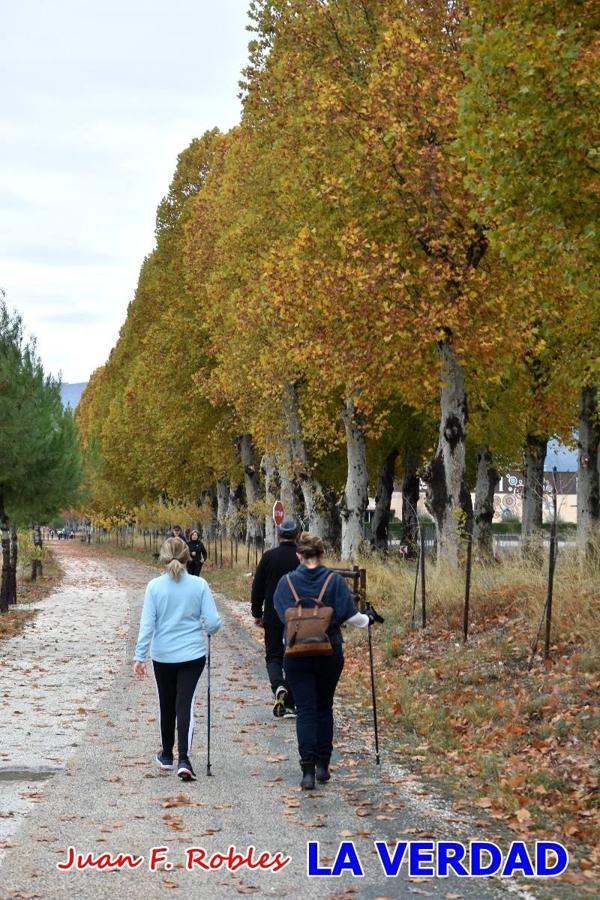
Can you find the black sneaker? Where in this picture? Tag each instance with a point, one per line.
(280, 700)
(185, 771)
(164, 760)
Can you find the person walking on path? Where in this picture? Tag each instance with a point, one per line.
(178, 610)
(313, 679)
(198, 553)
(272, 566)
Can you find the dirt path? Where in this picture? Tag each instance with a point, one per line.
(78, 739)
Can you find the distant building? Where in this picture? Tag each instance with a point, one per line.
(508, 500)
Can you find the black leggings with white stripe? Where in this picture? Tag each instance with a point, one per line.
(177, 684)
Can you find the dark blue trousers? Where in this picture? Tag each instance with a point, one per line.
(313, 680)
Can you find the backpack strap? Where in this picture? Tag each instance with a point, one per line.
(293, 590)
(319, 599)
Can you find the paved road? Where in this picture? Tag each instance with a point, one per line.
(76, 766)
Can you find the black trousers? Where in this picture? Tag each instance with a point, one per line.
(314, 680)
(274, 657)
(176, 683)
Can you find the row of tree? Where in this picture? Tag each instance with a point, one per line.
(387, 270)
(40, 467)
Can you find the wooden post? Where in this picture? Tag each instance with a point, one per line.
(551, 567)
(363, 586)
(423, 591)
(413, 618)
(547, 611)
(467, 586)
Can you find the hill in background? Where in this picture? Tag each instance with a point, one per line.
(71, 393)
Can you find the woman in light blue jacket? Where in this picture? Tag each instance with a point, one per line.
(178, 611)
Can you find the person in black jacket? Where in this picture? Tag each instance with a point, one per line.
(198, 553)
(272, 566)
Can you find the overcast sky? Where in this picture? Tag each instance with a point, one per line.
(96, 101)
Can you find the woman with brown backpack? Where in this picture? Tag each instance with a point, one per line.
(313, 602)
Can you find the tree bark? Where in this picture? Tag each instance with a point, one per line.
(410, 502)
(222, 505)
(380, 523)
(485, 488)
(233, 520)
(287, 482)
(208, 501)
(254, 529)
(5, 578)
(38, 543)
(588, 473)
(533, 496)
(448, 498)
(268, 467)
(355, 499)
(334, 520)
(14, 558)
(315, 501)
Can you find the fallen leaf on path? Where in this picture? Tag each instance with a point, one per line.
(179, 800)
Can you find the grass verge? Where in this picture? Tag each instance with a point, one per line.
(518, 747)
(28, 592)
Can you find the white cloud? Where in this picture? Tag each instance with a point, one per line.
(97, 100)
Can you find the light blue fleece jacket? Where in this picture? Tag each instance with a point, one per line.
(175, 616)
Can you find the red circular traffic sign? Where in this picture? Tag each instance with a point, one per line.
(278, 512)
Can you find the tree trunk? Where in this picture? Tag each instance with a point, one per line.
(14, 558)
(5, 578)
(588, 474)
(222, 505)
(380, 523)
(233, 519)
(315, 501)
(355, 500)
(209, 502)
(448, 498)
(410, 502)
(254, 531)
(334, 520)
(533, 496)
(268, 466)
(287, 482)
(485, 488)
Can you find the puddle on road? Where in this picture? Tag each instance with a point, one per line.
(27, 774)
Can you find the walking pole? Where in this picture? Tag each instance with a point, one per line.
(377, 759)
(208, 655)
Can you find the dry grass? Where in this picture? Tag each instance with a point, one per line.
(514, 588)
(520, 746)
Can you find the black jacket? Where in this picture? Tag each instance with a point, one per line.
(272, 566)
(199, 549)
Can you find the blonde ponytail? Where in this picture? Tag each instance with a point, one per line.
(175, 553)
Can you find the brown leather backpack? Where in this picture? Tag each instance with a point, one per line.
(306, 629)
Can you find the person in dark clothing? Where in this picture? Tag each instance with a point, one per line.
(198, 553)
(314, 679)
(272, 566)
